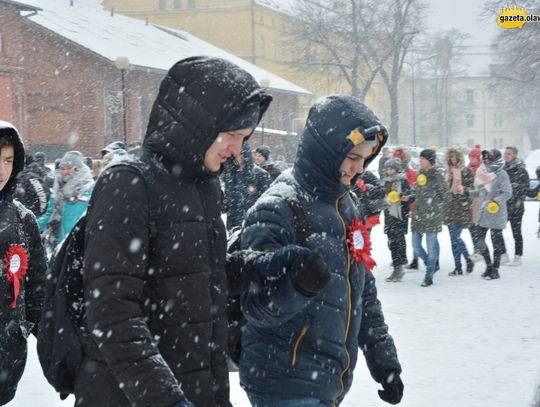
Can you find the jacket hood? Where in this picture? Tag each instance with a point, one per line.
(335, 124)
(196, 99)
(9, 130)
(459, 155)
(516, 163)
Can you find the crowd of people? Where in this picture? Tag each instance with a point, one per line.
(156, 273)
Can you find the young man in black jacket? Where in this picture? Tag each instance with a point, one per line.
(22, 267)
(154, 274)
(519, 179)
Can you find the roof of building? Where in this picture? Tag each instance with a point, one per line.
(145, 45)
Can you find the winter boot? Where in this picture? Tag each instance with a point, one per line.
(470, 265)
(456, 272)
(396, 275)
(413, 265)
(427, 282)
(516, 262)
(493, 275)
(505, 260)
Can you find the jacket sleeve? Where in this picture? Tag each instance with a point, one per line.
(374, 340)
(504, 193)
(270, 225)
(115, 272)
(35, 276)
(521, 185)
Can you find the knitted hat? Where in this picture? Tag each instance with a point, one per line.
(40, 158)
(72, 159)
(429, 155)
(114, 146)
(263, 150)
(393, 163)
(475, 152)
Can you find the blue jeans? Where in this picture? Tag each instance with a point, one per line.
(260, 402)
(429, 258)
(458, 245)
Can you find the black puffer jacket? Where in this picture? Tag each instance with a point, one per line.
(18, 232)
(156, 306)
(519, 178)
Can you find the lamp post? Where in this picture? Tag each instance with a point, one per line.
(122, 63)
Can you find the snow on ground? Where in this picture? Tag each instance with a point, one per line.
(463, 342)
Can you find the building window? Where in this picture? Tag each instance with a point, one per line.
(162, 4)
(470, 96)
(177, 4)
(261, 46)
(192, 4)
(1, 43)
(470, 120)
(273, 50)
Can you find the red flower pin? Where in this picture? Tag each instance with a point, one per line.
(360, 244)
(16, 264)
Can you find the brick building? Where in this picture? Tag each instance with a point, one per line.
(60, 86)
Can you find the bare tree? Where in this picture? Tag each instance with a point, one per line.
(357, 40)
(517, 77)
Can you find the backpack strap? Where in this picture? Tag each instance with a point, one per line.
(299, 217)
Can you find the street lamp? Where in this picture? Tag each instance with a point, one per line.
(122, 63)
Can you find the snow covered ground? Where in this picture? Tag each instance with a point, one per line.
(463, 342)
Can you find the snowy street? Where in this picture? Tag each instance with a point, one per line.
(464, 342)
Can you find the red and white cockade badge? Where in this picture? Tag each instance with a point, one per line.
(360, 244)
(16, 263)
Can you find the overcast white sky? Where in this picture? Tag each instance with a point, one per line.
(463, 15)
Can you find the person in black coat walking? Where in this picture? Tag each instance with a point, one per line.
(244, 182)
(22, 267)
(519, 179)
(263, 160)
(396, 216)
(154, 275)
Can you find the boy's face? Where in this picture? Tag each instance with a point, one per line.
(390, 171)
(424, 163)
(225, 145)
(7, 156)
(354, 163)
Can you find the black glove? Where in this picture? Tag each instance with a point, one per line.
(393, 388)
(309, 273)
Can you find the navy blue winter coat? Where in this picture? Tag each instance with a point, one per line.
(294, 346)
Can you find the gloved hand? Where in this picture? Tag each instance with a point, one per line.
(393, 388)
(184, 403)
(310, 273)
(275, 264)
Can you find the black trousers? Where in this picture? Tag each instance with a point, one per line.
(515, 223)
(397, 246)
(498, 245)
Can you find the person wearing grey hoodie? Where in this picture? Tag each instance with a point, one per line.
(493, 189)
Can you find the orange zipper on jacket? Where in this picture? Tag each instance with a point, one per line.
(349, 304)
(303, 332)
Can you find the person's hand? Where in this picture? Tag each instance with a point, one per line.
(460, 189)
(392, 388)
(310, 273)
(273, 265)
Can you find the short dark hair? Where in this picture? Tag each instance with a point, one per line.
(513, 148)
(6, 141)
